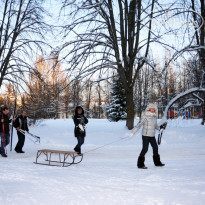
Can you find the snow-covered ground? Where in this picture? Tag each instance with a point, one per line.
(108, 175)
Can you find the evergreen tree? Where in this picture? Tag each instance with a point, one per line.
(117, 109)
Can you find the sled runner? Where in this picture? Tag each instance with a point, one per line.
(64, 159)
(36, 139)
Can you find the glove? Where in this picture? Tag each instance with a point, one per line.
(131, 134)
(81, 128)
(163, 126)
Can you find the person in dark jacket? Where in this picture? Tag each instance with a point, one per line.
(80, 121)
(21, 123)
(4, 130)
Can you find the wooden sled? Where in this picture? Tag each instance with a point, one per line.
(65, 158)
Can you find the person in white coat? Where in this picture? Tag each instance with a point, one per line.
(149, 123)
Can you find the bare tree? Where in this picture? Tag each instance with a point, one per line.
(66, 100)
(99, 91)
(76, 92)
(44, 97)
(88, 95)
(117, 34)
(22, 32)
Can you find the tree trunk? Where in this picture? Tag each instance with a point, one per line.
(1, 80)
(203, 120)
(130, 109)
(202, 52)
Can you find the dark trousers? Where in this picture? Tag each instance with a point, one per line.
(5, 139)
(20, 143)
(145, 144)
(80, 142)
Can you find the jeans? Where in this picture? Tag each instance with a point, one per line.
(20, 143)
(145, 142)
(80, 142)
(4, 144)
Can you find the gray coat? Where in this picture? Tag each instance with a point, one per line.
(149, 122)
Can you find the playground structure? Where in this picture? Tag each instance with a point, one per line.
(188, 111)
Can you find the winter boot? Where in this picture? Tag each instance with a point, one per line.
(157, 162)
(140, 163)
(17, 151)
(77, 150)
(3, 155)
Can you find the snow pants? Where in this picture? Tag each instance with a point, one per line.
(80, 142)
(145, 145)
(7, 138)
(20, 143)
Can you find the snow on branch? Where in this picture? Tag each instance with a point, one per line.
(195, 95)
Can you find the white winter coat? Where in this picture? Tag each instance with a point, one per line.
(149, 122)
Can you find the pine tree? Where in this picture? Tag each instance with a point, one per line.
(117, 109)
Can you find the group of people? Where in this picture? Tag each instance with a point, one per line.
(21, 125)
(148, 121)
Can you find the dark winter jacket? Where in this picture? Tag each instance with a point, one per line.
(5, 123)
(79, 119)
(21, 122)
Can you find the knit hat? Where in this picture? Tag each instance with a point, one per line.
(152, 105)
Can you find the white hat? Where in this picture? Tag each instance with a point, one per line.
(152, 105)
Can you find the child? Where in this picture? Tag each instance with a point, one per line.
(149, 123)
(79, 120)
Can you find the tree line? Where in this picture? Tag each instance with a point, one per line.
(52, 95)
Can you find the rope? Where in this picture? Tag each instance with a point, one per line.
(106, 145)
(115, 142)
(38, 140)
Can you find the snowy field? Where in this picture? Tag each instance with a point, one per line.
(107, 176)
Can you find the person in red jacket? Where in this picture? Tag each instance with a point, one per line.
(171, 114)
(4, 130)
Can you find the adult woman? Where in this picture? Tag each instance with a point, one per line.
(149, 123)
(80, 121)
